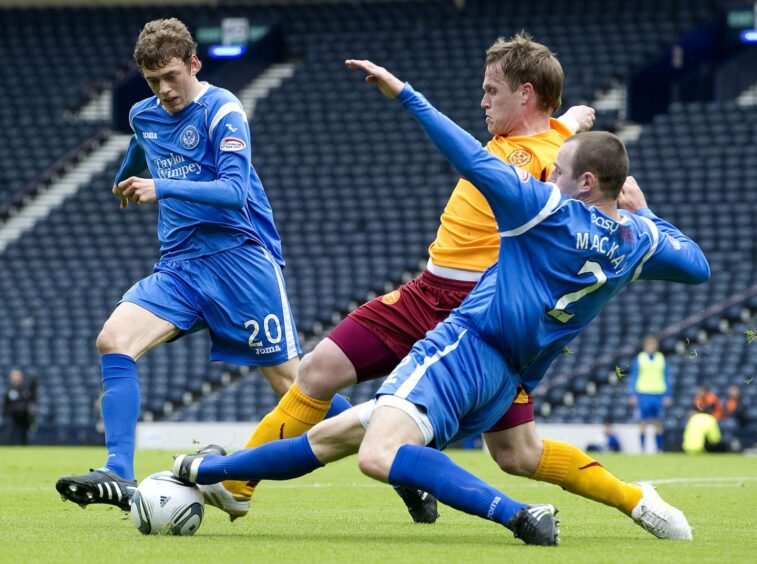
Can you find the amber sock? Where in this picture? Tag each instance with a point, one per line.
(569, 467)
(295, 414)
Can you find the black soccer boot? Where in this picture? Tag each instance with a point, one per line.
(99, 486)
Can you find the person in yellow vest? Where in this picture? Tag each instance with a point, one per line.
(702, 433)
(650, 389)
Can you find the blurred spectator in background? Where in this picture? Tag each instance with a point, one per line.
(650, 389)
(707, 401)
(734, 409)
(702, 433)
(18, 408)
(608, 441)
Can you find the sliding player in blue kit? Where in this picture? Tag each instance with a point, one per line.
(221, 259)
(566, 250)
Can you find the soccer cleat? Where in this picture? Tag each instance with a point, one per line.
(185, 465)
(218, 496)
(421, 505)
(214, 494)
(536, 524)
(655, 515)
(99, 486)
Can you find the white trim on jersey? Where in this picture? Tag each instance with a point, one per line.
(222, 112)
(407, 386)
(203, 90)
(545, 212)
(285, 311)
(652, 249)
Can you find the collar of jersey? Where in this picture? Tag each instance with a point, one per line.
(200, 94)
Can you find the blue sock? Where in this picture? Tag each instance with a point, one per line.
(433, 472)
(120, 410)
(338, 404)
(277, 460)
(660, 440)
(643, 439)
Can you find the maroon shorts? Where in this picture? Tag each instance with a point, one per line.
(377, 335)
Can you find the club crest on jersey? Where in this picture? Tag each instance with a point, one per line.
(190, 137)
(519, 157)
(232, 144)
(391, 297)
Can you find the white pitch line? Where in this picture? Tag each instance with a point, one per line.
(708, 480)
(725, 480)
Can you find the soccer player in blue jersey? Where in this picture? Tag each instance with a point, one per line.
(570, 245)
(221, 259)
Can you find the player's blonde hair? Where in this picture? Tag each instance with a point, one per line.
(522, 60)
(163, 40)
(605, 156)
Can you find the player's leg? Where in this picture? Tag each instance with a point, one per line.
(350, 354)
(643, 435)
(281, 376)
(451, 385)
(519, 450)
(129, 332)
(644, 411)
(312, 397)
(655, 415)
(659, 435)
(319, 376)
(394, 450)
(330, 440)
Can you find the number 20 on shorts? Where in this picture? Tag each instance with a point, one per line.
(271, 328)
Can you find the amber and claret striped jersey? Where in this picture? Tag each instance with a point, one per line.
(468, 238)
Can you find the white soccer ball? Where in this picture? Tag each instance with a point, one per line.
(163, 505)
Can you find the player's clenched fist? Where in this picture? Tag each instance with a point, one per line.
(631, 197)
(138, 190)
(389, 85)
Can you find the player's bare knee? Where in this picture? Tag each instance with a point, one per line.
(513, 462)
(108, 341)
(316, 377)
(375, 462)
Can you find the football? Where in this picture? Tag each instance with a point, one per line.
(163, 505)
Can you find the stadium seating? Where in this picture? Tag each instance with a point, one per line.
(355, 188)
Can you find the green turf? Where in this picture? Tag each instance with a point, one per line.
(337, 515)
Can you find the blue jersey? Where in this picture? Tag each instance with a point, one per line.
(560, 260)
(210, 197)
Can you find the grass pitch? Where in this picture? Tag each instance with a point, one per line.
(337, 515)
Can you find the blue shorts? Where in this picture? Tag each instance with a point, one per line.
(238, 295)
(463, 384)
(649, 406)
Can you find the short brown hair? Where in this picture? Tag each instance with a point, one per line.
(521, 60)
(604, 155)
(163, 40)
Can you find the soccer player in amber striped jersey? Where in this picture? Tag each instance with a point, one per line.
(522, 87)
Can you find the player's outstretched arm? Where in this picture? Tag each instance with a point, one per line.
(676, 257)
(497, 181)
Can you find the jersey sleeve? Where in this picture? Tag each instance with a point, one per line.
(673, 256)
(229, 136)
(134, 161)
(518, 201)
